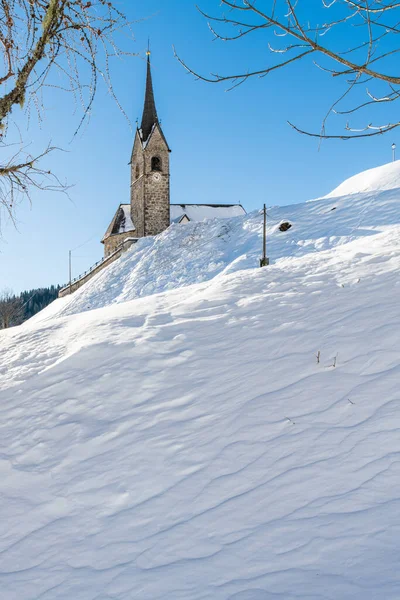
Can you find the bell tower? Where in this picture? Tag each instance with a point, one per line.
(150, 189)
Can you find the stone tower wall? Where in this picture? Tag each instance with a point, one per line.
(156, 208)
(150, 191)
(137, 187)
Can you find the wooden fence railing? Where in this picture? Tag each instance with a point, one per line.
(77, 282)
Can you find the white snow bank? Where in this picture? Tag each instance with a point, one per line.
(382, 178)
(188, 445)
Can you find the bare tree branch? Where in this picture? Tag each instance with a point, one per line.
(295, 26)
(64, 44)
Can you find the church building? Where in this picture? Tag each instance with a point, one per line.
(150, 211)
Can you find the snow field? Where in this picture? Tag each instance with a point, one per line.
(187, 444)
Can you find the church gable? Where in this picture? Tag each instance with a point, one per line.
(182, 219)
(155, 137)
(121, 222)
(156, 152)
(119, 230)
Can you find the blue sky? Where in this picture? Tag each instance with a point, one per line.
(226, 146)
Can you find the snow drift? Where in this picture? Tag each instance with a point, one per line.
(375, 180)
(189, 444)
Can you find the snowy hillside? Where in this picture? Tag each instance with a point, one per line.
(197, 252)
(188, 444)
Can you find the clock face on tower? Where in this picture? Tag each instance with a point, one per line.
(156, 177)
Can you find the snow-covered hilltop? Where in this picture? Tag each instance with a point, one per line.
(375, 180)
(188, 445)
(198, 252)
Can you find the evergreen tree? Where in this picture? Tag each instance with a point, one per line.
(29, 303)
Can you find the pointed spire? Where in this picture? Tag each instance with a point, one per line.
(149, 117)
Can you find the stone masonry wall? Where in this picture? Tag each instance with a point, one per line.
(137, 187)
(113, 242)
(150, 191)
(156, 190)
(156, 208)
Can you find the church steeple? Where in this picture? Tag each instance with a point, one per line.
(149, 117)
(150, 189)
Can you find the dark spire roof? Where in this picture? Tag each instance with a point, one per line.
(149, 117)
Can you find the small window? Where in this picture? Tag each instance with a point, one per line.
(137, 172)
(156, 163)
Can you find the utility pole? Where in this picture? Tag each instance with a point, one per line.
(70, 272)
(264, 261)
(394, 152)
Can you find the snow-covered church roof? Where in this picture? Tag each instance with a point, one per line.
(121, 222)
(199, 212)
(180, 213)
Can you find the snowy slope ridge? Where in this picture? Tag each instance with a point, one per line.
(188, 444)
(197, 252)
(386, 177)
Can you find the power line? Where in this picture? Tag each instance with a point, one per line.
(84, 243)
